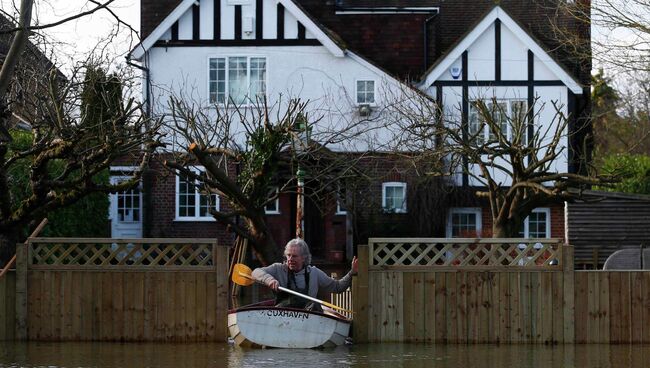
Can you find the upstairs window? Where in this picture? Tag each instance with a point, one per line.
(193, 202)
(507, 114)
(240, 80)
(393, 197)
(365, 92)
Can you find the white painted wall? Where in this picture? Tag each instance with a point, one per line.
(206, 11)
(514, 56)
(480, 57)
(308, 72)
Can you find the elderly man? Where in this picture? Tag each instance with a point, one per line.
(297, 274)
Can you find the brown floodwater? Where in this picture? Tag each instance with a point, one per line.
(53, 355)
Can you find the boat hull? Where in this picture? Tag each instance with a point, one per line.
(286, 328)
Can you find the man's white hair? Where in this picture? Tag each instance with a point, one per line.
(304, 249)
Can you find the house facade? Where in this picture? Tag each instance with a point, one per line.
(350, 59)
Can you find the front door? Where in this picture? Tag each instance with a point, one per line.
(126, 211)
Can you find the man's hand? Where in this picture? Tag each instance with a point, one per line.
(273, 284)
(355, 265)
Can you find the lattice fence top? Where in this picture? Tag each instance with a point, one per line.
(149, 253)
(434, 252)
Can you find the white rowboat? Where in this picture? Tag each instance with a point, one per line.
(264, 326)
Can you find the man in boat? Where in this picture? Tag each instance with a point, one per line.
(297, 274)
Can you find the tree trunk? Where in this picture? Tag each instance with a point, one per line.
(8, 240)
(263, 244)
(506, 229)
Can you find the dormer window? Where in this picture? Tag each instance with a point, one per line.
(365, 92)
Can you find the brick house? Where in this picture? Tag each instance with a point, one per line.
(451, 51)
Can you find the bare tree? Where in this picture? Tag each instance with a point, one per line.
(620, 39)
(68, 145)
(252, 155)
(63, 149)
(512, 164)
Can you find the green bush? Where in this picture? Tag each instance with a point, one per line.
(632, 170)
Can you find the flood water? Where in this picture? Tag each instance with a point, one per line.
(52, 355)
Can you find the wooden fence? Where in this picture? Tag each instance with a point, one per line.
(7, 305)
(121, 290)
(612, 306)
(493, 291)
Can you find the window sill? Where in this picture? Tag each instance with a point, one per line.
(271, 212)
(194, 219)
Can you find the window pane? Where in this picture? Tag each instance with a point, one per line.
(537, 225)
(258, 78)
(498, 113)
(365, 92)
(463, 225)
(394, 196)
(217, 80)
(475, 123)
(237, 79)
(206, 204)
(186, 197)
(519, 123)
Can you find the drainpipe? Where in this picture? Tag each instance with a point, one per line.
(426, 40)
(147, 174)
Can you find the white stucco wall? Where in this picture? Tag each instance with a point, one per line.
(308, 72)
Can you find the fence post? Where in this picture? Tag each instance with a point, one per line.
(360, 297)
(221, 262)
(568, 274)
(22, 252)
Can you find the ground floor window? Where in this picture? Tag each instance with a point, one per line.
(193, 202)
(464, 222)
(537, 224)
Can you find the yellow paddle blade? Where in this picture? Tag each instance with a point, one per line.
(241, 275)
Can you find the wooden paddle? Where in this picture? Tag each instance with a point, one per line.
(241, 275)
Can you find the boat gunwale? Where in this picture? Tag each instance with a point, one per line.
(254, 307)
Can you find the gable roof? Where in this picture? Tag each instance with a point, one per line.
(396, 42)
(465, 42)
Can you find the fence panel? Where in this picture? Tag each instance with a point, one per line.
(466, 290)
(7, 305)
(125, 290)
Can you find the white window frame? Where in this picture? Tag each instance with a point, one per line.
(465, 210)
(374, 92)
(275, 192)
(238, 2)
(248, 101)
(544, 210)
(197, 201)
(395, 184)
(486, 134)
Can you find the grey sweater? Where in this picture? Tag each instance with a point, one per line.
(318, 280)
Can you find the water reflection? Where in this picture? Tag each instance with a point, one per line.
(41, 354)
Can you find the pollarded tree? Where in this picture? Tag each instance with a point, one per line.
(252, 155)
(510, 163)
(528, 161)
(71, 144)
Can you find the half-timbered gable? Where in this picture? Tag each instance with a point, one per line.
(499, 62)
